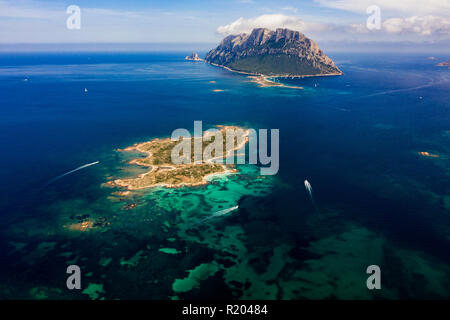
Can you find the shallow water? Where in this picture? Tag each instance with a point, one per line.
(355, 138)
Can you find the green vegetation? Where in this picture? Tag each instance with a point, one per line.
(282, 52)
(165, 172)
(279, 65)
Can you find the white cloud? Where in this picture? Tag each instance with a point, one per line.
(414, 28)
(392, 7)
(30, 21)
(423, 25)
(415, 25)
(270, 21)
(289, 8)
(358, 28)
(28, 10)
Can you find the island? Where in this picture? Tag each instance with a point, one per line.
(427, 154)
(266, 53)
(264, 81)
(163, 172)
(193, 57)
(444, 64)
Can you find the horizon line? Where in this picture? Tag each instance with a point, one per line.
(372, 46)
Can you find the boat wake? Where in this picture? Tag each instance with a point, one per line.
(69, 172)
(309, 191)
(219, 213)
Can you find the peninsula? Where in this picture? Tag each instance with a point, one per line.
(280, 53)
(163, 172)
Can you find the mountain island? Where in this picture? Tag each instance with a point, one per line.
(280, 53)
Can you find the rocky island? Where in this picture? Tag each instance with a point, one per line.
(163, 172)
(280, 53)
(444, 64)
(193, 57)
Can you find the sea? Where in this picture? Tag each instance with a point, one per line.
(374, 145)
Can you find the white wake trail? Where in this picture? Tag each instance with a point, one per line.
(71, 171)
(309, 191)
(220, 213)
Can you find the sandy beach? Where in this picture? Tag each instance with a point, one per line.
(264, 80)
(186, 179)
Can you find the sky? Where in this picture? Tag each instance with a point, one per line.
(419, 22)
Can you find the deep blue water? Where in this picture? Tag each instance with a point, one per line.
(356, 137)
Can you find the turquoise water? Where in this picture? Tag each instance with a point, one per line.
(356, 138)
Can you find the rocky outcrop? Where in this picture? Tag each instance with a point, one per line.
(193, 57)
(444, 64)
(282, 52)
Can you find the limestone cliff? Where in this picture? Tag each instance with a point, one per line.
(282, 52)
